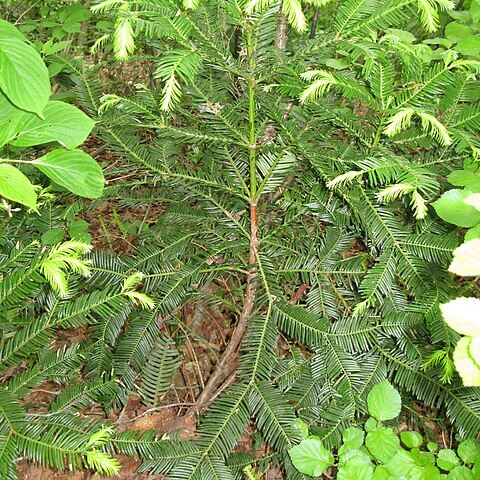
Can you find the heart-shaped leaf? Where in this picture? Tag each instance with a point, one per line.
(311, 457)
(384, 402)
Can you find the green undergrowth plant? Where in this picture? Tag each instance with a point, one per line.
(298, 169)
(462, 208)
(29, 118)
(45, 290)
(295, 173)
(377, 452)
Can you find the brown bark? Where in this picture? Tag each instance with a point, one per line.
(281, 35)
(222, 368)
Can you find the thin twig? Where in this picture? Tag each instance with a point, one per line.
(207, 394)
(314, 23)
(154, 409)
(227, 383)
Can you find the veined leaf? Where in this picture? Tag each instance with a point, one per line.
(311, 457)
(24, 77)
(15, 186)
(384, 401)
(74, 170)
(62, 123)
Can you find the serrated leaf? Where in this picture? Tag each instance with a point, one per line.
(447, 459)
(468, 451)
(353, 437)
(384, 402)
(469, 45)
(311, 457)
(411, 439)
(370, 424)
(357, 468)
(461, 473)
(74, 170)
(400, 462)
(432, 446)
(382, 443)
(15, 186)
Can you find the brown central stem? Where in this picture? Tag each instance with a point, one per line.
(222, 368)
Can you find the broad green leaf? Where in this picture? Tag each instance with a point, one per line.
(467, 360)
(403, 35)
(63, 123)
(432, 446)
(469, 46)
(353, 437)
(9, 30)
(475, 10)
(384, 402)
(447, 459)
(337, 63)
(381, 473)
(350, 453)
(53, 236)
(9, 115)
(50, 47)
(463, 315)
(81, 236)
(422, 458)
(302, 427)
(416, 473)
(311, 457)
(411, 439)
(78, 232)
(476, 467)
(432, 473)
(7, 111)
(15, 186)
(382, 443)
(468, 451)
(466, 259)
(452, 208)
(74, 13)
(356, 468)
(472, 233)
(401, 462)
(74, 170)
(24, 77)
(455, 31)
(465, 178)
(370, 424)
(461, 473)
